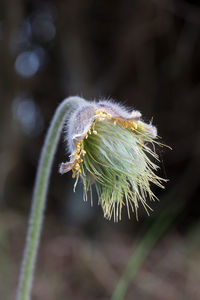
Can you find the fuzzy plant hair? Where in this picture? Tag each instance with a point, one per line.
(112, 149)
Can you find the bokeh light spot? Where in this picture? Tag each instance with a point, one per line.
(27, 64)
(27, 112)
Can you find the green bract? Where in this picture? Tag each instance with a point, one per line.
(116, 162)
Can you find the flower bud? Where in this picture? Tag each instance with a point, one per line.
(110, 148)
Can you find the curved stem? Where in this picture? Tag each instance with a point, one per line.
(39, 195)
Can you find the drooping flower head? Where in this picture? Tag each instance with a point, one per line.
(112, 149)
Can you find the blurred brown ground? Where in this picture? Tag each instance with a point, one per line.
(145, 54)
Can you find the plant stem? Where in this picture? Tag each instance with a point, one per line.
(142, 250)
(39, 195)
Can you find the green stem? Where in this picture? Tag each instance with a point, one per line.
(142, 250)
(39, 195)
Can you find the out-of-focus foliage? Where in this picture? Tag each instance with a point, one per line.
(145, 54)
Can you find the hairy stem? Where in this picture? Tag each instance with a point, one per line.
(39, 195)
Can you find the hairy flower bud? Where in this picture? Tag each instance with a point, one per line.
(110, 148)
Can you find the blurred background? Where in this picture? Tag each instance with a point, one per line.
(145, 54)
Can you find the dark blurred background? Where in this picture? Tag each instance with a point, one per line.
(145, 54)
